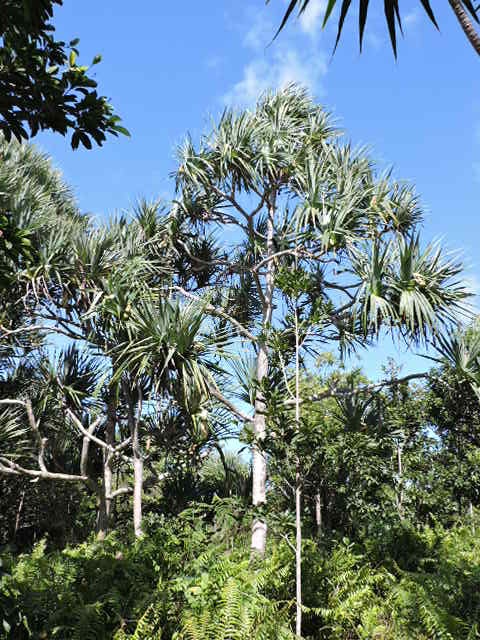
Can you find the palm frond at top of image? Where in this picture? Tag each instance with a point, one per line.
(463, 9)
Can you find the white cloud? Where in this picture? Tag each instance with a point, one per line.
(310, 18)
(284, 66)
(260, 33)
(411, 18)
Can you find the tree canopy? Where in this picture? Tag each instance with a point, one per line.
(186, 450)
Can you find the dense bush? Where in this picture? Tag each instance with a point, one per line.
(185, 580)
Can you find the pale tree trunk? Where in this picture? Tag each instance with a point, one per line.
(466, 24)
(109, 457)
(18, 517)
(134, 425)
(259, 462)
(106, 486)
(137, 493)
(470, 513)
(97, 488)
(101, 524)
(298, 492)
(400, 481)
(318, 513)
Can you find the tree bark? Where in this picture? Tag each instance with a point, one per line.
(19, 514)
(259, 462)
(466, 24)
(298, 490)
(318, 513)
(101, 524)
(134, 424)
(400, 481)
(298, 550)
(109, 458)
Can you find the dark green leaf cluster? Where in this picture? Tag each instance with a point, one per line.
(41, 84)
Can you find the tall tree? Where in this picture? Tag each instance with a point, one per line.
(287, 189)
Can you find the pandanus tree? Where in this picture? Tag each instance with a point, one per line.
(104, 290)
(294, 200)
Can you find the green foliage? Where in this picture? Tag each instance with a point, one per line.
(41, 84)
(180, 583)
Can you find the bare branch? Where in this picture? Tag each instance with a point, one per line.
(235, 410)
(98, 441)
(32, 327)
(119, 492)
(231, 200)
(218, 312)
(8, 467)
(347, 393)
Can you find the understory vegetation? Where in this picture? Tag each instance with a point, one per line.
(189, 446)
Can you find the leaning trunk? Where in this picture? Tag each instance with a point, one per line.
(259, 462)
(466, 24)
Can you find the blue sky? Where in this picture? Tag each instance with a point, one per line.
(170, 67)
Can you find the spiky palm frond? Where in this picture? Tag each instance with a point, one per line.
(14, 440)
(407, 287)
(36, 208)
(426, 286)
(460, 350)
(75, 374)
(391, 10)
(167, 341)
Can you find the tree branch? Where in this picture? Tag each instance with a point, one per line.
(218, 312)
(221, 398)
(346, 393)
(8, 467)
(101, 443)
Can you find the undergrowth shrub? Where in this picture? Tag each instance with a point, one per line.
(188, 580)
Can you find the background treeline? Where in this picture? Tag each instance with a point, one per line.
(138, 356)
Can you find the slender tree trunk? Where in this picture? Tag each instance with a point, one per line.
(109, 458)
(101, 524)
(134, 425)
(466, 24)
(298, 549)
(470, 513)
(259, 463)
(97, 488)
(18, 517)
(318, 513)
(400, 481)
(298, 492)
